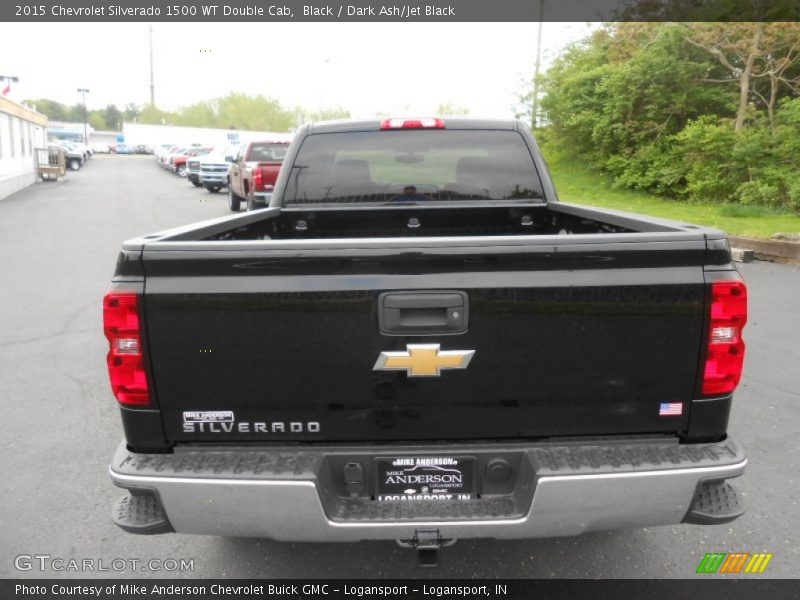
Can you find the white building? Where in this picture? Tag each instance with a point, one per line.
(61, 130)
(154, 135)
(21, 130)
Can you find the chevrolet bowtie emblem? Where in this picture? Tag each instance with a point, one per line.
(423, 360)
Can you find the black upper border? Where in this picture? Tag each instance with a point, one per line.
(400, 10)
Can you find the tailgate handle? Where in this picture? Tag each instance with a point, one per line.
(423, 313)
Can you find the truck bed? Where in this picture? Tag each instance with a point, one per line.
(429, 220)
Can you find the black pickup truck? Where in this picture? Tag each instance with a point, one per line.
(417, 341)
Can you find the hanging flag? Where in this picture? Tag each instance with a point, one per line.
(7, 88)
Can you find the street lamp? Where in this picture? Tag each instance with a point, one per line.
(83, 92)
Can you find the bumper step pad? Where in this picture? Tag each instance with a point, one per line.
(716, 502)
(142, 514)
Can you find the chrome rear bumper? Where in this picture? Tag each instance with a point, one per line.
(559, 490)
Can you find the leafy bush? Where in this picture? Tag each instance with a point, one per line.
(661, 114)
(756, 192)
(793, 192)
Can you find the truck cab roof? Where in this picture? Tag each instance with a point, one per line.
(351, 125)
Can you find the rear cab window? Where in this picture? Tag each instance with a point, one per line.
(266, 152)
(413, 166)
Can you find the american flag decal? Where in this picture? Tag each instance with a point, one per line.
(670, 408)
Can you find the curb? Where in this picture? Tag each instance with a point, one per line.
(768, 249)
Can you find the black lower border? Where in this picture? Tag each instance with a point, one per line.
(412, 589)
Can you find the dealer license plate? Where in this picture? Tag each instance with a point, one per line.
(422, 478)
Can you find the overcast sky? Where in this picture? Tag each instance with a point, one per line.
(367, 68)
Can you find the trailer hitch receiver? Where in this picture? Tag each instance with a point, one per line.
(427, 543)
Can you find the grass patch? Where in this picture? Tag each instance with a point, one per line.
(576, 182)
(741, 211)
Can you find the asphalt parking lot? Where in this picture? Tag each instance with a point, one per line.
(58, 247)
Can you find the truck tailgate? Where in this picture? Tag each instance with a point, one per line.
(275, 341)
(268, 175)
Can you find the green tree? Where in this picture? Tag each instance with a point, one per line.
(52, 109)
(623, 89)
(78, 113)
(754, 56)
(200, 114)
(695, 110)
(239, 111)
(131, 112)
(235, 110)
(303, 115)
(97, 121)
(151, 115)
(256, 113)
(113, 117)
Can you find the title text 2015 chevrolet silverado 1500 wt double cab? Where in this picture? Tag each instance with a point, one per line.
(417, 341)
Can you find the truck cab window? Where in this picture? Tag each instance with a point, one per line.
(440, 165)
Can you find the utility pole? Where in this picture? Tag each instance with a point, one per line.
(152, 84)
(535, 104)
(83, 92)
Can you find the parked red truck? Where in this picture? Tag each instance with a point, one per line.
(253, 173)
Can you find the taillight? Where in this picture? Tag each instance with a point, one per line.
(258, 179)
(725, 356)
(431, 123)
(125, 364)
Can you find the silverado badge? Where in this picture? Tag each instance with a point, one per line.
(423, 360)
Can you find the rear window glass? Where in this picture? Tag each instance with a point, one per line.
(266, 152)
(410, 166)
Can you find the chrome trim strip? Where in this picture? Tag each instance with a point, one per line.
(683, 471)
(207, 480)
